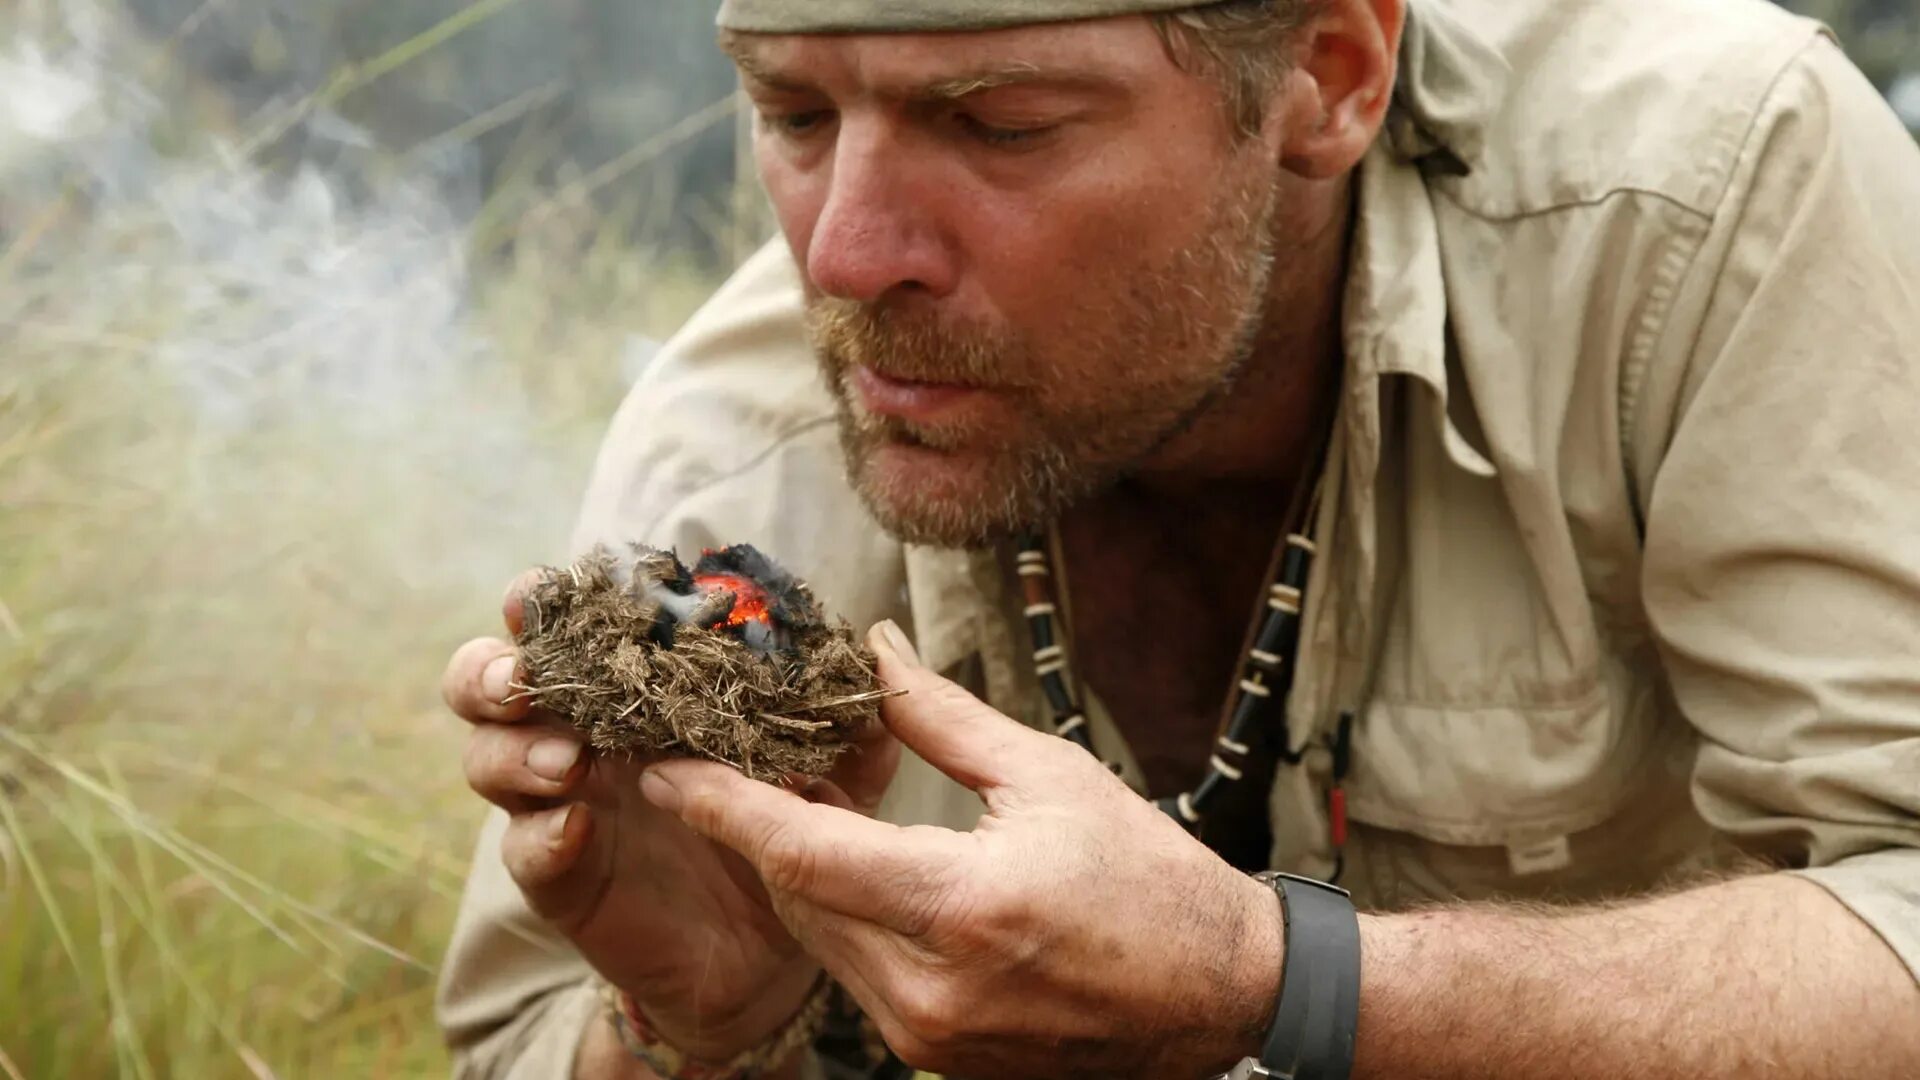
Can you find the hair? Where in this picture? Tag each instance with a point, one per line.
(1242, 45)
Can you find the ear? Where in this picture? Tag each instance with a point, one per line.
(1336, 97)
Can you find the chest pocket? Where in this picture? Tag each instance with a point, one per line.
(1504, 707)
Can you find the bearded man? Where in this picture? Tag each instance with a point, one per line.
(1539, 374)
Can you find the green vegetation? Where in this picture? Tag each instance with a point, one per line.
(272, 439)
(311, 315)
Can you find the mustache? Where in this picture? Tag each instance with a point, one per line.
(914, 346)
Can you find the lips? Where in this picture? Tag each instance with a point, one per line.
(910, 400)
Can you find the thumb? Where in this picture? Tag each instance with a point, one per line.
(955, 732)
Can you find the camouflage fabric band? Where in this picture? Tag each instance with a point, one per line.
(869, 16)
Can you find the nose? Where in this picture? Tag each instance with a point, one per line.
(877, 234)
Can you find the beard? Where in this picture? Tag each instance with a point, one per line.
(1133, 361)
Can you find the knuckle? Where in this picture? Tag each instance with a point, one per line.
(786, 863)
(486, 760)
(460, 682)
(529, 859)
(929, 1014)
(912, 1053)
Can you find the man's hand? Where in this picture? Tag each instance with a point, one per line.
(1076, 932)
(680, 923)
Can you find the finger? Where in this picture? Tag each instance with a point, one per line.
(955, 732)
(832, 857)
(540, 850)
(827, 793)
(513, 606)
(514, 767)
(866, 770)
(479, 683)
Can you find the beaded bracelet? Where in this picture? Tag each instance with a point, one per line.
(638, 1036)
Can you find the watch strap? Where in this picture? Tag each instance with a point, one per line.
(1318, 1012)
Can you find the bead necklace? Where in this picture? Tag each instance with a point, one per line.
(1258, 708)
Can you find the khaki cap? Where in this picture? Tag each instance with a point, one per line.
(873, 16)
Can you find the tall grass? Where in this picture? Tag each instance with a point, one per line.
(267, 454)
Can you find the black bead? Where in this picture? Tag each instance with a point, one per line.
(1296, 566)
(1277, 633)
(1057, 693)
(1041, 627)
(1211, 788)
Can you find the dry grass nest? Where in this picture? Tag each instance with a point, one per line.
(640, 656)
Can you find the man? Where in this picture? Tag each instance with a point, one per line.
(1606, 700)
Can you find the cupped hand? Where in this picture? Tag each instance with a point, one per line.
(1077, 931)
(682, 924)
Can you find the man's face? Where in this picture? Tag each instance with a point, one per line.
(1032, 257)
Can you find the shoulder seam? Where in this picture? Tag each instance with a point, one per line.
(1653, 324)
(1814, 34)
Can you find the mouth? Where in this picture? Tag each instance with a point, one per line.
(911, 400)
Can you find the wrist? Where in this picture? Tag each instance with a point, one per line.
(1252, 986)
(718, 1034)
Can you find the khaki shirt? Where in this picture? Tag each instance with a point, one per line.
(1621, 569)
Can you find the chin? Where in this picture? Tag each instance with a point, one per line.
(937, 497)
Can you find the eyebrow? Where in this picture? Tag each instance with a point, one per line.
(946, 90)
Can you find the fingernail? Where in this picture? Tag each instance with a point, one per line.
(553, 759)
(660, 791)
(897, 638)
(557, 824)
(496, 682)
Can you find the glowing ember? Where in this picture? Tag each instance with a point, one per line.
(750, 601)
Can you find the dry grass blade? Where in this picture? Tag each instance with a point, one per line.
(387, 846)
(852, 699)
(7, 1066)
(143, 906)
(354, 76)
(156, 833)
(127, 1046)
(44, 889)
(213, 867)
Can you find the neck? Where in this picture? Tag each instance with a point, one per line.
(1261, 434)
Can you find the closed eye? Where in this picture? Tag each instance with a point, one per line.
(997, 136)
(798, 124)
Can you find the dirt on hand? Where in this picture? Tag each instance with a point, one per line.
(731, 661)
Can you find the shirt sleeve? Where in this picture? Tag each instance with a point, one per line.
(1782, 556)
(514, 997)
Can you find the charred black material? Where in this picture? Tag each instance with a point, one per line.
(789, 601)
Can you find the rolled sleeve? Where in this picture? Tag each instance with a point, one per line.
(1782, 567)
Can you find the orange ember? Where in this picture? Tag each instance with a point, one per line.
(750, 601)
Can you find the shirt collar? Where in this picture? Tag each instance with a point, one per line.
(1451, 80)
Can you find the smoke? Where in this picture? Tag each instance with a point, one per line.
(285, 428)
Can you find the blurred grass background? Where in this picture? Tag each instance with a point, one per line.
(311, 315)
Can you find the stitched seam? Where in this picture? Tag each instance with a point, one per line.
(1675, 266)
(1655, 325)
(738, 471)
(1586, 203)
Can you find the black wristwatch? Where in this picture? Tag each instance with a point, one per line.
(1318, 1013)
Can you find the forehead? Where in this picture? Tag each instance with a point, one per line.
(1121, 54)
